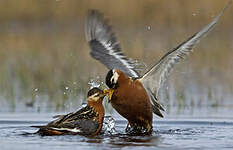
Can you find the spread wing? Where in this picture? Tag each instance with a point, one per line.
(155, 77)
(104, 45)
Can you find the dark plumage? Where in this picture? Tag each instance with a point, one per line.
(86, 121)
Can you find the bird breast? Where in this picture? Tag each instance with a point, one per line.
(131, 100)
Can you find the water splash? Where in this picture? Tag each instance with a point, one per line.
(84, 104)
(109, 125)
(148, 27)
(136, 130)
(95, 83)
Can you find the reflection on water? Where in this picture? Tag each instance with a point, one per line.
(167, 134)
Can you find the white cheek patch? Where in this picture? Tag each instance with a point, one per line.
(115, 77)
(94, 97)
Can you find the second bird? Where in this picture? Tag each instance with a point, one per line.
(133, 96)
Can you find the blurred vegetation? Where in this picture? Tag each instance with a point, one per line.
(44, 55)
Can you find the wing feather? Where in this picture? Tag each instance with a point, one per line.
(155, 77)
(81, 121)
(104, 45)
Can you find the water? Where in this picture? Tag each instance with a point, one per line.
(170, 133)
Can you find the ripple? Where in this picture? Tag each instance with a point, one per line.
(167, 134)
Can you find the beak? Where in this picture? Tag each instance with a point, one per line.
(109, 92)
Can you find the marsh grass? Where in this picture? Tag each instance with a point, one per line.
(44, 57)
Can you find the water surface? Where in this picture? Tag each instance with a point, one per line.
(170, 133)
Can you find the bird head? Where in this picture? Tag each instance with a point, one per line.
(95, 95)
(112, 78)
(112, 81)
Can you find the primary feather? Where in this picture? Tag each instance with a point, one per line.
(155, 77)
(104, 45)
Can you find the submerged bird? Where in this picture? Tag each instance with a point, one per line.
(133, 96)
(87, 121)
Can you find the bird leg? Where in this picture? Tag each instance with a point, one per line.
(136, 129)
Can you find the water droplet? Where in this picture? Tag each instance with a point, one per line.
(64, 93)
(36, 89)
(67, 88)
(84, 104)
(94, 83)
(148, 27)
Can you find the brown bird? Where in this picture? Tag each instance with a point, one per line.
(87, 121)
(134, 96)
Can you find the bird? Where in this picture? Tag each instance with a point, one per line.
(87, 121)
(135, 96)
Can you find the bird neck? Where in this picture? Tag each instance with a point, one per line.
(124, 79)
(97, 106)
(99, 109)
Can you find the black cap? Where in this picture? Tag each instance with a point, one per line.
(108, 79)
